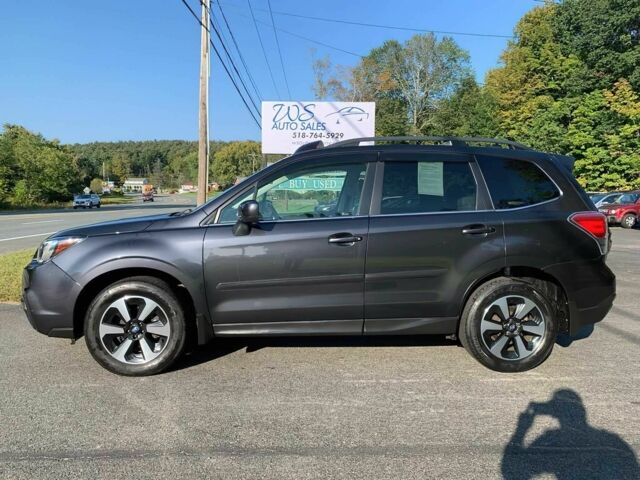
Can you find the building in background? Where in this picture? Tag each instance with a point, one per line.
(134, 184)
(188, 187)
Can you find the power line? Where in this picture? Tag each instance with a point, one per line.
(302, 37)
(264, 52)
(223, 64)
(233, 65)
(275, 33)
(233, 39)
(378, 25)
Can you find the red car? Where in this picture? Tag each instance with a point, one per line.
(625, 211)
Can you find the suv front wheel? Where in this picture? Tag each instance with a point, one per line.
(135, 327)
(508, 325)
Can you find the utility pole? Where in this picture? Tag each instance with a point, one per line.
(203, 124)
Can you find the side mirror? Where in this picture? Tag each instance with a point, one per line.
(248, 215)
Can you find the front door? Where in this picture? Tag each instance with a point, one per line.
(301, 269)
(432, 232)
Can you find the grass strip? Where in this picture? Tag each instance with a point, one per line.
(11, 266)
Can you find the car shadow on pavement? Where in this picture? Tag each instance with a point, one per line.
(220, 347)
(574, 450)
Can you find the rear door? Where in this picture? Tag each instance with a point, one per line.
(432, 233)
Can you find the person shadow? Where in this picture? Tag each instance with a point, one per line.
(574, 450)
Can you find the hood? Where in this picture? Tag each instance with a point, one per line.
(128, 225)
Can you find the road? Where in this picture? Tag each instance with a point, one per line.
(21, 230)
(414, 408)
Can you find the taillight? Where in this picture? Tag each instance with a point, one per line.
(594, 223)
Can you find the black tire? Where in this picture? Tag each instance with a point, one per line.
(470, 330)
(75, 207)
(628, 221)
(154, 289)
(98, 206)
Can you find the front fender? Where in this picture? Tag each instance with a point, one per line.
(177, 253)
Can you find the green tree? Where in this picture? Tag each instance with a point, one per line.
(237, 159)
(96, 185)
(41, 170)
(409, 79)
(530, 87)
(391, 117)
(121, 167)
(604, 136)
(470, 111)
(605, 36)
(7, 167)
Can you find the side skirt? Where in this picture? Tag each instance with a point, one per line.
(382, 326)
(411, 326)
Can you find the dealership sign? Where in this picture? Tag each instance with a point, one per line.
(288, 125)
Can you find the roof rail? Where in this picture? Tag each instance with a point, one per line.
(310, 146)
(453, 141)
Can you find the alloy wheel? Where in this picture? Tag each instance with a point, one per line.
(134, 329)
(513, 327)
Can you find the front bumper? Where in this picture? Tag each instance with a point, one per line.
(48, 299)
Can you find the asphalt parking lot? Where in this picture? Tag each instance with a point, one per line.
(416, 407)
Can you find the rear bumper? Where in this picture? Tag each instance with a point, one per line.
(591, 289)
(48, 297)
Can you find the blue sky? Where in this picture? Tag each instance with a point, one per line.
(128, 69)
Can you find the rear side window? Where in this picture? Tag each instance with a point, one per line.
(516, 183)
(423, 187)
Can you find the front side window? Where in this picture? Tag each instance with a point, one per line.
(423, 187)
(628, 198)
(516, 183)
(305, 193)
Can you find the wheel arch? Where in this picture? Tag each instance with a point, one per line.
(199, 330)
(549, 284)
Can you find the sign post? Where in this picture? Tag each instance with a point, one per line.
(289, 125)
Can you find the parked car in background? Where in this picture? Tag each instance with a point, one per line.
(86, 200)
(624, 211)
(482, 239)
(602, 198)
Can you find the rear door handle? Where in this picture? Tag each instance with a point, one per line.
(478, 229)
(344, 238)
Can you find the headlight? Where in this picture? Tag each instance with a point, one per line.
(52, 247)
(612, 211)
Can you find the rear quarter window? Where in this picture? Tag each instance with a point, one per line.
(516, 183)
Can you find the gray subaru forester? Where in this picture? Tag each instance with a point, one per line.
(483, 239)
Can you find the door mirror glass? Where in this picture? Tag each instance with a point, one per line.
(248, 215)
(249, 212)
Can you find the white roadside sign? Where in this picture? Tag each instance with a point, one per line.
(288, 125)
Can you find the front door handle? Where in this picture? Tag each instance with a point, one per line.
(344, 238)
(478, 229)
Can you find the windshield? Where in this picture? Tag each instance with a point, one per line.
(597, 198)
(83, 197)
(236, 188)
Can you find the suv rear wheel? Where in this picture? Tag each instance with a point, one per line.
(135, 327)
(508, 325)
